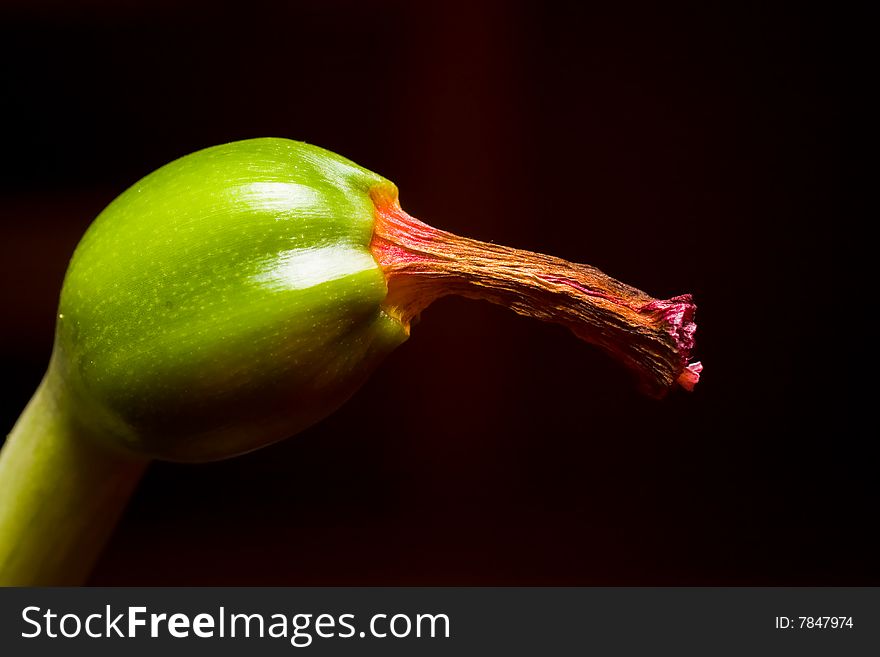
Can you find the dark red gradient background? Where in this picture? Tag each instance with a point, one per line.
(677, 147)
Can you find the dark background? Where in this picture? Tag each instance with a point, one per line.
(677, 147)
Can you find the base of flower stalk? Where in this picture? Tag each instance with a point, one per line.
(653, 337)
(61, 494)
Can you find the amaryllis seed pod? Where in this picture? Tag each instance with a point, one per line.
(240, 294)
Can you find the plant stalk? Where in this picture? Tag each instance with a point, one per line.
(61, 494)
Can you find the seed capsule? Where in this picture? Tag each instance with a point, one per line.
(225, 301)
(239, 294)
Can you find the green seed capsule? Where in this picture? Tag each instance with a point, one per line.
(224, 302)
(240, 294)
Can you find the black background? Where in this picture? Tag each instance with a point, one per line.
(677, 147)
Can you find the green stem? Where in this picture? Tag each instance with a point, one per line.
(61, 494)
